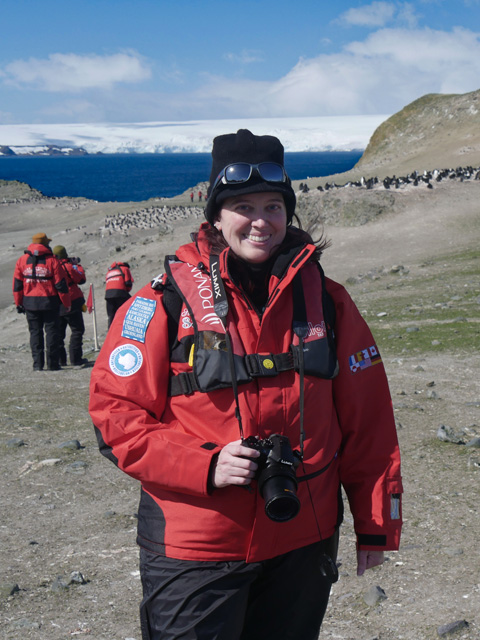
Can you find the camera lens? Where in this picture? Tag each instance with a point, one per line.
(278, 489)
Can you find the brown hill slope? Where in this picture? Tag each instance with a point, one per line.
(444, 129)
(435, 131)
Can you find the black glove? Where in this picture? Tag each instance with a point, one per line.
(20, 309)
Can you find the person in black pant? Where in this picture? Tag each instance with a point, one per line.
(118, 284)
(40, 321)
(74, 318)
(39, 287)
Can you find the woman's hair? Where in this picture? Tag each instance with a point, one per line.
(294, 236)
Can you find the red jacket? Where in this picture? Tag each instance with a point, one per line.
(39, 280)
(167, 443)
(75, 276)
(118, 281)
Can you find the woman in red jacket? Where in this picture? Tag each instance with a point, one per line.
(243, 389)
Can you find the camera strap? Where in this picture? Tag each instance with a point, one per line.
(300, 328)
(220, 305)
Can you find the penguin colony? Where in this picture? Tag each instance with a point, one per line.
(415, 179)
(155, 217)
(150, 218)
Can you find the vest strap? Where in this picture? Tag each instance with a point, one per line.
(258, 365)
(261, 365)
(183, 384)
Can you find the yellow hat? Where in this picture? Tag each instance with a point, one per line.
(41, 238)
(60, 252)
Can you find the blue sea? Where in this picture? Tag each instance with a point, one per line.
(125, 178)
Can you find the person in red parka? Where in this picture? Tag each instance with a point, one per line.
(73, 318)
(243, 389)
(39, 287)
(118, 284)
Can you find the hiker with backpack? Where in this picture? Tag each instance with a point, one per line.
(118, 284)
(40, 288)
(243, 389)
(72, 318)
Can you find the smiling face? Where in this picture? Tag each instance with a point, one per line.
(254, 225)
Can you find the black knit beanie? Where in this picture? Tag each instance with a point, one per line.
(243, 146)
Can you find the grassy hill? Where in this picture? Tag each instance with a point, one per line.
(435, 131)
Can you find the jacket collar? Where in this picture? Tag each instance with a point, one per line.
(38, 250)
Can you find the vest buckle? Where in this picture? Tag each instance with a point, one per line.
(261, 365)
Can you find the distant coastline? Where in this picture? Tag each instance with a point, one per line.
(45, 150)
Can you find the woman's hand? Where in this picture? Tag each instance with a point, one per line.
(234, 465)
(368, 559)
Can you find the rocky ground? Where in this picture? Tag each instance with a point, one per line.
(68, 559)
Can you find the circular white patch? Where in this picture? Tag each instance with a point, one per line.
(125, 360)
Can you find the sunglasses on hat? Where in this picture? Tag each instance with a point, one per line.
(239, 172)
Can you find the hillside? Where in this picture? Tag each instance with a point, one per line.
(443, 129)
(436, 131)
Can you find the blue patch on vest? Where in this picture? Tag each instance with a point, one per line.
(137, 319)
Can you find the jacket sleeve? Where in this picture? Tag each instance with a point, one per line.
(128, 278)
(18, 284)
(77, 273)
(370, 457)
(134, 428)
(61, 282)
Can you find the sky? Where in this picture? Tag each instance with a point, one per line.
(118, 61)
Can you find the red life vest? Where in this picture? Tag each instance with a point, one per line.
(208, 355)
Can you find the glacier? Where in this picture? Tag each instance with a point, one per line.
(322, 133)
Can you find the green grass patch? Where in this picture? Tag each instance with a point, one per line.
(431, 309)
(460, 337)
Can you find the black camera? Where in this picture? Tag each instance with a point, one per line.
(75, 260)
(277, 481)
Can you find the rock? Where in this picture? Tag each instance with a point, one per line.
(25, 623)
(474, 442)
(432, 394)
(451, 627)
(374, 595)
(73, 445)
(15, 443)
(397, 268)
(77, 578)
(49, 462)
(77, 468)
(8, 589)
(59, 584)
(447, 434)
(412, 329)
(454, 551)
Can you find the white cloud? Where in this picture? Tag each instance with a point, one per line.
(73, 73)
(383, 73)
(244, 57)
(380, 74)
(376, 14)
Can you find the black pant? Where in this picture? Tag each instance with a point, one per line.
(113, 305)
(284, 598)
(38, 322)
(74, 320)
